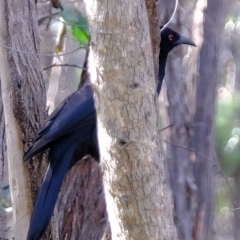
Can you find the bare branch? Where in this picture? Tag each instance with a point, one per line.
(170, 125)
(202, 155)
(42, 54)
(174, 12)
(63, 65)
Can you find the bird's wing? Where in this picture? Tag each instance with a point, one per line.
(76, 111)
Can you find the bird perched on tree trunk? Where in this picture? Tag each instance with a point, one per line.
(70, 133)
(169, 40)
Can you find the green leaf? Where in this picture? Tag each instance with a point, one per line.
(78, 23)
(80, 35)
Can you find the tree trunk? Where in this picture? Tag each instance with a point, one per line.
(122, 69)
(24, 107)
(203, 141)
(2, 161)
(178, 154)
(178, 136)
(81, 205)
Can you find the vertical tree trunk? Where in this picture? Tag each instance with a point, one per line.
(178, 136)
(154, 27)
(203, 141)
(2, 160)
(178, 154)
(122, 69)
(81, 205)
(23, 95)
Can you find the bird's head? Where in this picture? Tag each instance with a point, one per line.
(171, 39)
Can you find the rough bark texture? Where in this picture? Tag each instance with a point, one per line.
(82, 208)
(203, 140)
(154, 27)
(191, 138)
(178, 136)
(122, 69)
(23, 94)
(2, 159)
(178, 156)
(47, 43)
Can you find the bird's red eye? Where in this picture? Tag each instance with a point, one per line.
(170, 37)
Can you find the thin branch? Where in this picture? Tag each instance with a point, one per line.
(234, 209)
(56, 18)
(174, 12)
(63, 65)
(41, 54)
(45, 17)
(202, 155)
(170, 125)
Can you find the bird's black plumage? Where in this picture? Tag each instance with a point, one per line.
(169, 40)
(71, 133)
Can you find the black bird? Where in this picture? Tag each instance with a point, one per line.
(169, 40)
(71, 133)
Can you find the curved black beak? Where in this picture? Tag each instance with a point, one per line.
(185, 40)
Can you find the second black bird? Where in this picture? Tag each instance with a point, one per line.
(169, 40)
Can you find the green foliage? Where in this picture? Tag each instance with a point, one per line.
(77, 22)
(4, 204)
(228, 133)
(80, 35)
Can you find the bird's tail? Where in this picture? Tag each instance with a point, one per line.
(59, 157)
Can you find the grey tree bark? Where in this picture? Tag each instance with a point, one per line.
(122, 70)
(178, 117)
(203, 131)
(21, 83)
(190, 156)
(81, 205)
(178, 155)
(2, 161)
